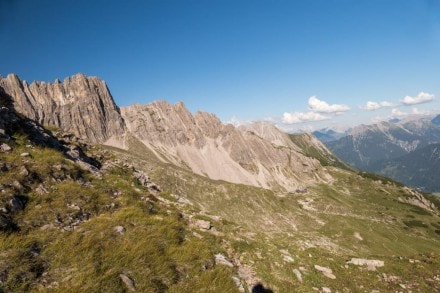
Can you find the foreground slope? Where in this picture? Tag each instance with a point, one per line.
(274, 235)
(67, 226)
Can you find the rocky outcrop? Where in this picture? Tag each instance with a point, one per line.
(11, 122)
(370, 263)
(325, 271)
(259, 154)
(416, 198)
(82, 105)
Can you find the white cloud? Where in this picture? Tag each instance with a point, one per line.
(299, 117)
(422, 97)
(397, 113)
(319, 106)
(414, 111)
(372, 106)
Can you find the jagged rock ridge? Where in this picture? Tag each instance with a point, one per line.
(83, 105)
(258, 154)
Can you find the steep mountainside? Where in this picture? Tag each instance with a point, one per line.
(258, 155)
(254, 155)
(82, 105)
(419, 168)
(311, 146)
(436, 120)
(368, 144)
(374, 147)
(66, 226)
(326, 135)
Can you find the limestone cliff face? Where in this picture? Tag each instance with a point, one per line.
(258, 154)
(82, 105)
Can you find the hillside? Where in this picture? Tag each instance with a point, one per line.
(419, 168)
(326, 135)
(68, 226)
(311, 146)
(79, 216)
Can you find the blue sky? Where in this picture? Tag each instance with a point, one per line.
(291, 62)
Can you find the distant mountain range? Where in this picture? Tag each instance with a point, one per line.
(327, 134)
(406, 151)
(419, 168)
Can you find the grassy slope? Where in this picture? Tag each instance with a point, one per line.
(326, 159)
(257, 224)
(158, 250)
(257, 229)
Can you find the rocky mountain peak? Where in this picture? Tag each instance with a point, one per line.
(81, 104)
(257, 154)
(269, 132)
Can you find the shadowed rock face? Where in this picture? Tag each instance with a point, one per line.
(82, 105)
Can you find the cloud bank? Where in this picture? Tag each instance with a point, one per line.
(372, 106)
(421, 98)
(299, 117)
(319, 106)
(397, 113)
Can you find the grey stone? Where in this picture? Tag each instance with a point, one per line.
(129, 283)
(371, 264)
(24, 171)
(5, 148)
(120, 229)
(47, 227)
(238, 283)
(220, 259)
(202, 224)
(325, 271)
(288, 258)
(141, 177)
(17, 185)
(298, 275)
(41, 190)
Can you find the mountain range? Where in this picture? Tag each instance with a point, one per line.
(257, 154)
(402, 150)
(152, 198)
